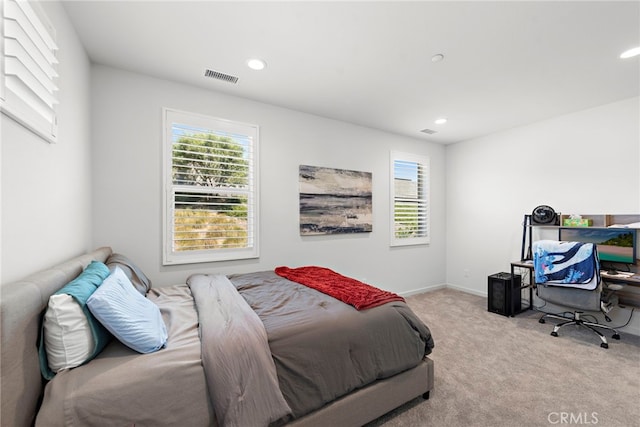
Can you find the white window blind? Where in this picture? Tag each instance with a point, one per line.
(409, 199)
(28, 70)
(211, 191)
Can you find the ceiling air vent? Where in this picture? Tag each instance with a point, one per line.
(220, 76)
(429, 131)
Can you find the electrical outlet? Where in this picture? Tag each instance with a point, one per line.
(466, 272)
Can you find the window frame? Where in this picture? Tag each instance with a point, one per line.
(423, 196)
(28, 94)
(172, 257)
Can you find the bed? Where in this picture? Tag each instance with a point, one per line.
(172, 386)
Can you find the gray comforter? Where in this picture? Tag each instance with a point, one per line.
(322, 349)
(241, 375)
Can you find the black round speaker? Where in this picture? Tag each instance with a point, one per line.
(544, 214)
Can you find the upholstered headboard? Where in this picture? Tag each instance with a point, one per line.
(21, 306)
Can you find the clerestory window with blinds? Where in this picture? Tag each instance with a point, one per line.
(211, 189)
(28, 69)
(409, 199)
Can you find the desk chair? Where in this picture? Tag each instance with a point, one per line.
(568, 274)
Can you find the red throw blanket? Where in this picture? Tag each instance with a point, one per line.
(348, 290)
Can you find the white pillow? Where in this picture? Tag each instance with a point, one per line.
(130, 317)
(67, 335)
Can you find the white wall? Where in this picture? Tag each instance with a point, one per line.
(46, 201)
(127, 204)
(585, 162)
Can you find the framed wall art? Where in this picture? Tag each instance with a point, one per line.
(334, 201)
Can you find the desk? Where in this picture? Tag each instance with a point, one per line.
(527, 265)
(633, 280)
(628, 298)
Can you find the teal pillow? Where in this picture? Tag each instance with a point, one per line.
(80, 289)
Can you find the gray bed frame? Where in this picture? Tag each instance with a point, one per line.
(22, 304)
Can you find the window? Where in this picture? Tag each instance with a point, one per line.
(409, 199)
(211, 189)
(28, 69)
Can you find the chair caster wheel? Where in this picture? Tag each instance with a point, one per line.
(541, 321)
(604, 345)
(616, 336)
(554, 334)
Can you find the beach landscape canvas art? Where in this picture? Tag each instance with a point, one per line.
(334, 201)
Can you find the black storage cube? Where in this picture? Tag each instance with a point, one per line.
(503, 296)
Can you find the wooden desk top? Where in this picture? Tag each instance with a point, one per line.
(628, 278)
(524, 264)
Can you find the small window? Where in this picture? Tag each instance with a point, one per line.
(211, 191)
(409, 199)
(28, 69)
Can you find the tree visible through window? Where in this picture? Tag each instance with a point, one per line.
(409, 199)
(211, 190)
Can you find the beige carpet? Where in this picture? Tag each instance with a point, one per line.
(492, 371)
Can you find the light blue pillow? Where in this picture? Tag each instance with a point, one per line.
(130, 317)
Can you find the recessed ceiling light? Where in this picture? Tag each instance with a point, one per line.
(630, 53)
(441, 121)
(256, 64)
(437, 57)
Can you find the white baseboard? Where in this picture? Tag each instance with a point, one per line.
(422, 290)
(467, 290)
(441, 286)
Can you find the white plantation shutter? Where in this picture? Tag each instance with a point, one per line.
(29, 91)
(409, 199)
(211, 194)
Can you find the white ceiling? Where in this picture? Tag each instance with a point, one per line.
(506, 64)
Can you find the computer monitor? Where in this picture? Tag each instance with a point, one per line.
(615, 245)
